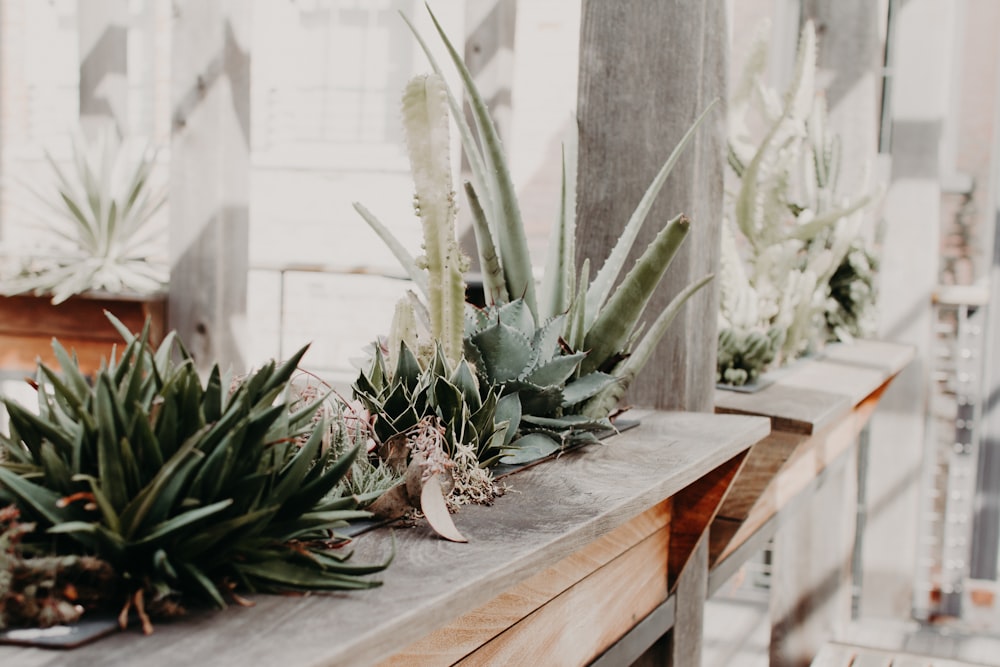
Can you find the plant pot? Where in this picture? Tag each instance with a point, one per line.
(29, 323)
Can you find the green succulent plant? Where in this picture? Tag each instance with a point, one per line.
(400, 398)
(596, 319)
(532, 364)
(105, 207)
(850, 310)
(188, 490)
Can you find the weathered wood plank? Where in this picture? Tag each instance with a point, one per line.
(810, 457)
(692, 591)
(210, 178)
(694, 509)
(582, 622)
(466, 634)
(637, 97)
(829, 399)
(79, 316)
(791, 409)
(810, 599)
(552, 511)
(103, 45)
(834, 655)
(813, 393)
(839, 654)
(763, 462)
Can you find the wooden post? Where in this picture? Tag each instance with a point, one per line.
(647, 69)
(810, 599)
(489, 54)
(209, 178)
(103, 33)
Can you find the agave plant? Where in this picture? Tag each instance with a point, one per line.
(400, 398)
(794, 226)
(187, 490)
(532, 365)
(596, 320)
(104, 206)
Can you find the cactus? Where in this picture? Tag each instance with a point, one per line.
(794, 227)
(439, 272)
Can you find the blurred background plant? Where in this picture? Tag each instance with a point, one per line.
(100, 214)
(788, 229)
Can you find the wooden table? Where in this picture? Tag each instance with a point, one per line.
(574, 556)
(798, 486)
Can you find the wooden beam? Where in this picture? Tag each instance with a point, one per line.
(647, 69)
(210, 178)
(489, 55)
(103, 33)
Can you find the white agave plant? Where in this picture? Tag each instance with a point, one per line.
(102, 208)
(785, 216)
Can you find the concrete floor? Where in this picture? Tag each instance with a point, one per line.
(737, 632)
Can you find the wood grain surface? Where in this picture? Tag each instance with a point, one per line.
(813, 393)
(817, 407)
(551, 511)
(466, 634)
(28, 324)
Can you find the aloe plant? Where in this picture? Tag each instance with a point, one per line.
(786, 215)
(104, 206)
(531, 366)
(596, 320)
(186, 489)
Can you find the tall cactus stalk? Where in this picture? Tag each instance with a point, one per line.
(425, 122)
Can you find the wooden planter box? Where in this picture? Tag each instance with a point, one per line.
(29, 323)
(817, 410)
(577, 553)
(816, 413)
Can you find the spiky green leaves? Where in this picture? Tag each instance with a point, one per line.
(533, 366)
(181, 486)
(104, 205)
(401, 397)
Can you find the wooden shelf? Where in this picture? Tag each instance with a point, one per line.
(577, 552)
(817, 408)
(799, 486)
